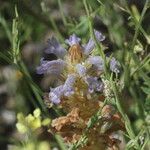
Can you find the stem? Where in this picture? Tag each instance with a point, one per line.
(52, 21)
(24, 70)
(145, 61)
(60, 142)
(94, 37)
(139, 23)
(62, 13)
(6, 28)
(56, 29)
(128, 126)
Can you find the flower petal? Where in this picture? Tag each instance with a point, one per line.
(89, 47)
(97, 61)
(94, 84)
(55, 94)
(114, 65)
(54, 47)
(69, 85)
(91, 43)
(73, 39)
(99, 36)
(81, 70)
(53, 68)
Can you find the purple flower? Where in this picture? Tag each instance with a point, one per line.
(73, 39)
(55, 48)
(99, 36)
(69, 85)
(67, 89)
(53, 68)
(91, 43)
(94, 84)
(89, 47)
(81, 70)
(56, 94)
(114, 65)
(97, 62)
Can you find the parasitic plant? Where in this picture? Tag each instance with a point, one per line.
(81, 91)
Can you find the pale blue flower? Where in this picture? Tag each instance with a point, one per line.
(97, 62)
(53, 68)
(89, 47)
(94, 84)
(69, 85)
(99, 36)
(114, 65)
(81, 70)
(56, 94)
(91, 43)
(73, 39)
(67, 89)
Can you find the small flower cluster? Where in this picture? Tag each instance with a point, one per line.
(30, 129)
(80, 91)
(31, 122)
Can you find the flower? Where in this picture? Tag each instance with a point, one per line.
(114, 65)
(53, 68)
(91, 43)
(56, 94)
(81, 91)
(81, 70)
(69, 85)
(99, 36)
(94, 84)
(55, 48)
(31, 122)
(89, 72)
(73, 39)
(67, 89)
(97, 62)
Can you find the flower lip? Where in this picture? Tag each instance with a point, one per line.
(91, 43)
(54, 67)
(114, 65)
(67, 89)
(56, 94)
(69, 85)
(97, 61)
(99, 36)
(73, 39)
(81, 70)
(94, 84)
